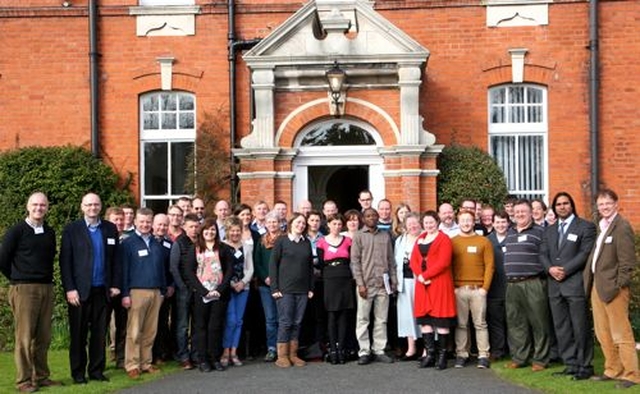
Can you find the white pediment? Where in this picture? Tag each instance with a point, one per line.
(337, 30)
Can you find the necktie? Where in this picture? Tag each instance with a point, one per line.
(561, 233)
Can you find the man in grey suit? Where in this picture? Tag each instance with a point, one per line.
(607, 277)
(564, 252)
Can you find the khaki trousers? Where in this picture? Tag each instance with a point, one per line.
(32, 307)
(613, 330)
(474, 300)
(142, 325)
(379, 301)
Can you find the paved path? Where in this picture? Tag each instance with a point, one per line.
(401, 377)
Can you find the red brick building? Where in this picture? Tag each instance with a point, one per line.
(510, 76)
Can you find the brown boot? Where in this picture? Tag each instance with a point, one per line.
(293, 355)
(283, 355)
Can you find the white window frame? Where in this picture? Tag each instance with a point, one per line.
(517, 130)
(168, 136)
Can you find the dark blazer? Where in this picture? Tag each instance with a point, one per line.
(572, 255)
(76, 256)
(615, 262)
(190, 266)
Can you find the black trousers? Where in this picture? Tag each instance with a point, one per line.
(208, 321)
(497, 322)
(573, 328)
(164, 344)
(88, 319)
(120, 316)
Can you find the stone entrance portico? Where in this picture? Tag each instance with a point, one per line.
(384, 68)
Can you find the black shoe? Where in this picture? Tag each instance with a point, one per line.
(565, 372)
(625, 384)
(582, 375)
(461, 362)
(342, 359)
(383, 358)
(204, 367)
(333, 357)
(218, 366)
(412, 357)
(99, 378)
(364, 359)
(600, 378)
(483, 363)
(79, 380)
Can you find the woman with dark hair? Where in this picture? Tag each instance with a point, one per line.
(353, 222)
(207, 270)
(339, 295)
(291, 274)
(435, 301)
(240, 282)
(261, 266)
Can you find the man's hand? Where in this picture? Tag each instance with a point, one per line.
(114, 292)
(362, 291)
(277, 295)
(557, 273)
(126, 302)
(73, 298)
(310, 294)
(170, 291)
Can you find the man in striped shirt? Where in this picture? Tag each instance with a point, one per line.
(526, 299)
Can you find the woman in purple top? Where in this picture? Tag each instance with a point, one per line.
(333, 253)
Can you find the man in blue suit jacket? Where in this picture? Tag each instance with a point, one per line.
(564, 252)
(87, 264)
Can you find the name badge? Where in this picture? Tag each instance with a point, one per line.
(143, 252)
(333, 249)
(166, 244)
(111, 241)
(237, 254)
(522, 238)
(479, 232)
(262, 231)
(472, 249)
(38, 230)
(572, 237)
(608, 240)
(504, 249)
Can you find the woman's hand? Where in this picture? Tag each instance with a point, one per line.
(310, 294)
(277, 295)
(213, 294)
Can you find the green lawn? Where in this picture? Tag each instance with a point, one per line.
(545, 382)
(59, 364)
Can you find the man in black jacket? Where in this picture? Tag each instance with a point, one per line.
(87, 268)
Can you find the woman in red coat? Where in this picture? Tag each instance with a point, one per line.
(435, 301)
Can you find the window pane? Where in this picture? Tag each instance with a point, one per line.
(338, 134)
(150, 121)
(157, 206)
(534, 95)
(180, 153)
(497, 114)
(534, 114)
(516, 114)
(168, 121)
(186, 120)
(516, 94)
(503, 149)
(186, 102)
(497, 96)
(155, 168)
(150, 103)
(168, 102)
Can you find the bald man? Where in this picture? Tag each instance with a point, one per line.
(87, 269)
(26, 259)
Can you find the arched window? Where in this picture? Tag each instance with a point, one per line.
(337, 134)
(167, 136)
(518, 137)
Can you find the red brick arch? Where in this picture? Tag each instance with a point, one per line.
(182, 79)
(320, 110)
(533, 73)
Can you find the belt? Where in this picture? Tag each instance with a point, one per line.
(335, 263)
(517, 279)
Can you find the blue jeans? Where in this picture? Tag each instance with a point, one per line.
(235, 314)
(270, 316)
(183, 302)
(290, 313)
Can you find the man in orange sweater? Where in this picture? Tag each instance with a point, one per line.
(472, 264)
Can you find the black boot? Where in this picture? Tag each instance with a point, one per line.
(333, 354)
(429, 361)
(442, 355)
(342, 358)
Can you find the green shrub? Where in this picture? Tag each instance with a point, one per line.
(469, 173)
(64, 174)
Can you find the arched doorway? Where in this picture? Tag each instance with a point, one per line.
(336, 159)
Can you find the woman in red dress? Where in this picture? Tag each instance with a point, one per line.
(435, 302)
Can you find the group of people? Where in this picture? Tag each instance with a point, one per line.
(482, 281)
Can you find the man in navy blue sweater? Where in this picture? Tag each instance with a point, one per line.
(144, 284)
